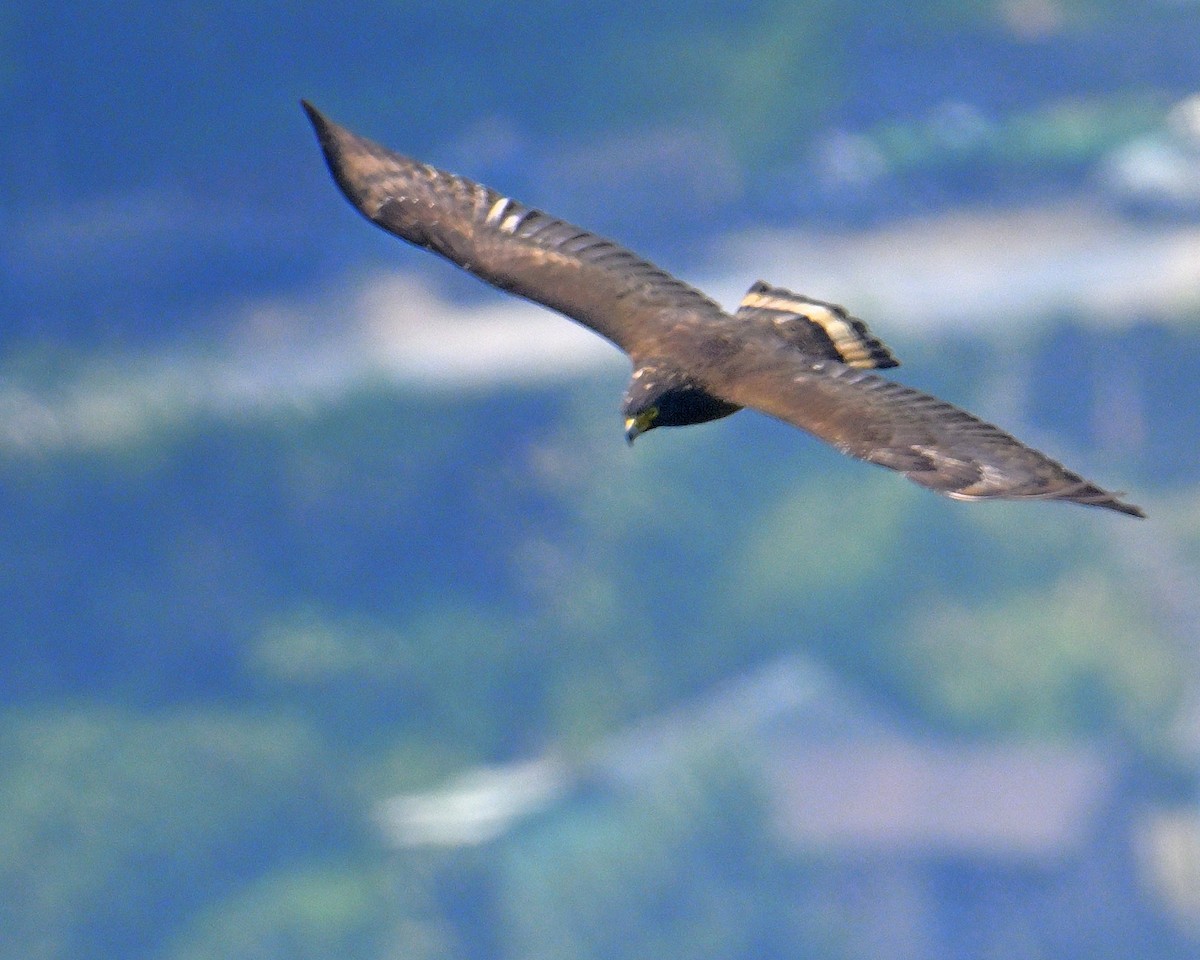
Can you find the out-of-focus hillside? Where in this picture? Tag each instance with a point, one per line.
(323, 606)
(338, 620)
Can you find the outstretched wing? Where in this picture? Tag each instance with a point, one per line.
(524, 251)
(931, 442)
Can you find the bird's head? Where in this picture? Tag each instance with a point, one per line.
(642, 408)
(661, 397)
(641, 421)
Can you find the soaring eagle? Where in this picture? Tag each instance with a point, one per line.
(802, 360)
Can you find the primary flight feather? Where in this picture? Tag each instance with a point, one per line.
(802, 360)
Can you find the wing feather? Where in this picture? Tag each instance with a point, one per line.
(933, 443)
(511, 246)
(816, 327)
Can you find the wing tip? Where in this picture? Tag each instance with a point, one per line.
(315, 116)
(1112, 501)
(349, 157)
(325, 128)
(1084, 493)
(1089, 495)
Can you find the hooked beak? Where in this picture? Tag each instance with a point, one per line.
(635, 426)
(632, 429)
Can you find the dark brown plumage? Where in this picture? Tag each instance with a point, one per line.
(802, 360)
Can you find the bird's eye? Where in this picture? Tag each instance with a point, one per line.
(651, 413)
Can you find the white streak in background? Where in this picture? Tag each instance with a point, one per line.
(412, 337)
(476, 807)
(986, 273)
(385, 329)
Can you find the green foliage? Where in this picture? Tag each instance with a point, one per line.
(834, 546)
(1079, 655)
(685, 868)
(413, 611)
(745, 64)
(346, 912)
(1078, 131)
(1062, 135)
(105, 813)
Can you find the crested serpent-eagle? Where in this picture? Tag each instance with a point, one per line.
(801, 360)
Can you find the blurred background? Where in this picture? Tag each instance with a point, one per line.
(337, 619)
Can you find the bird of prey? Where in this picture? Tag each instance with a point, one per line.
(804, 361)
